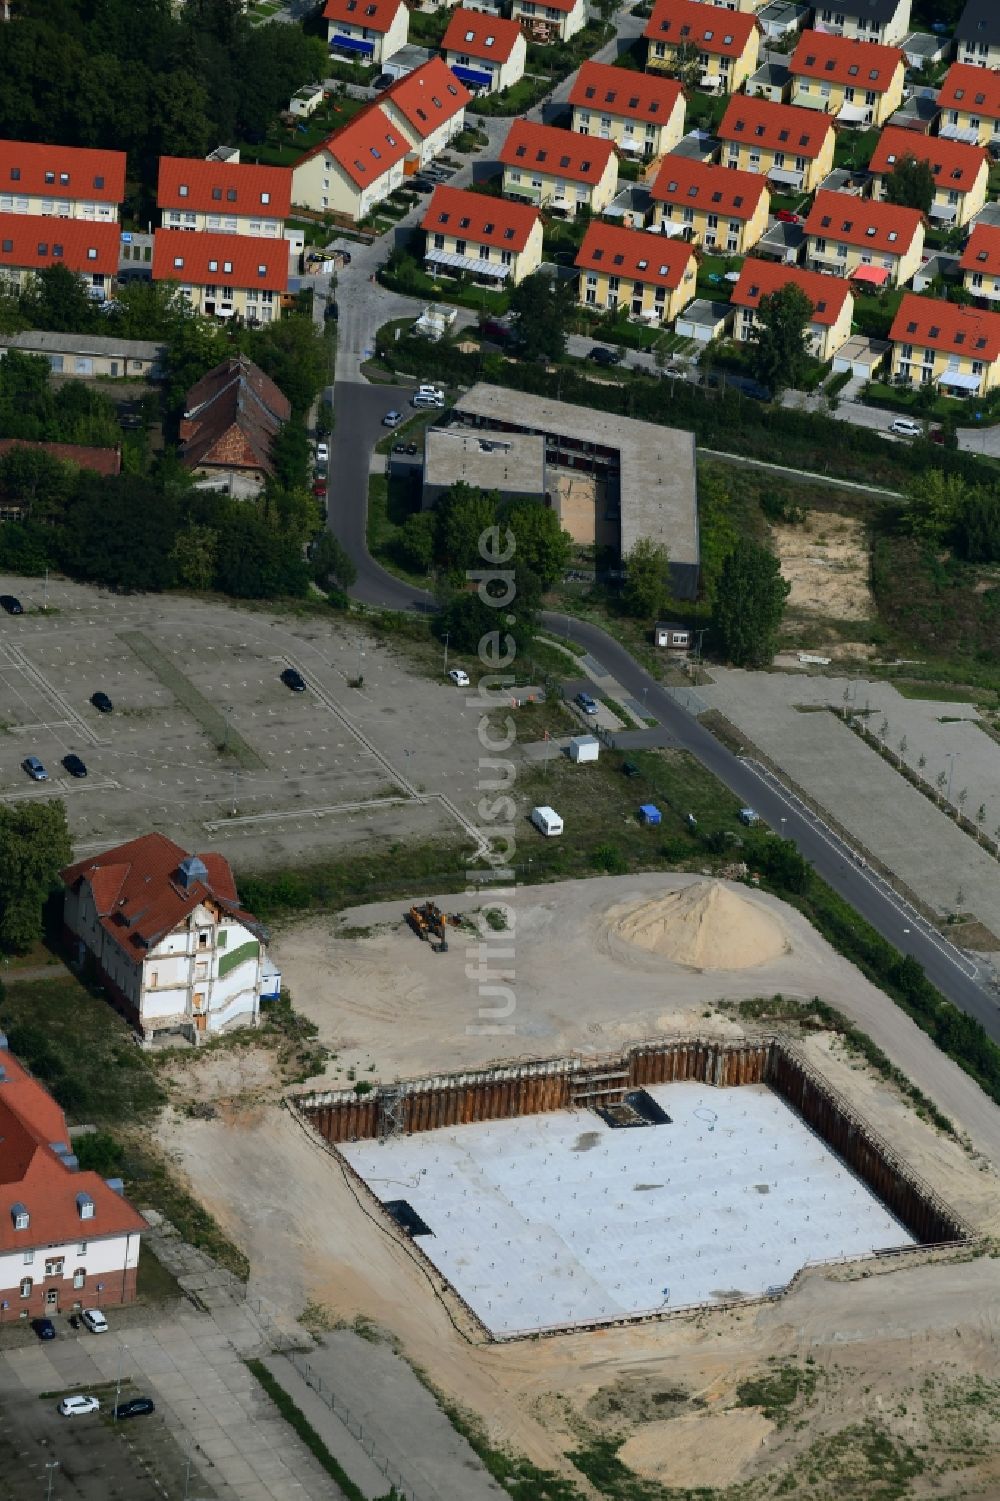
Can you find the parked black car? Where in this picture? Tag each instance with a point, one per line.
(137, 1407)
(293, 680)
(602, 356)
(44, 1328)
(11, 604)
(101, 703)
(74, 765)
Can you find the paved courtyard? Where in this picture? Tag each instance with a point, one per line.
(864, 793)
(207, 744)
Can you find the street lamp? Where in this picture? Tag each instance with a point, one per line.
(950, 758)
(122, 1351)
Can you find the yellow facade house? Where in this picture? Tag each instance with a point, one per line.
(878, 244)
(939, 343)
(686, 37)
(792, 147)
(650, 276)
(474, 234)
(969, 102)
(961, 172)
(980, 265)
(859, 83)
(723, 210)
(558, 169)
(642, 113)
(832, 303)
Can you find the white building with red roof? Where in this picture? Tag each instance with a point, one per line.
(166, 935)
(878, 244)
(224, 276)
(980, 264)
(969, 101)
(558, 169)
(861, 83)
(648, 276)
(236, 198)
(429, 107)
(793, 147)
(642, 113)
(487, 53)
(29, 243)
(832, 303)
(474, 234)
(550, 20)
(355, 168)
(366, 31)
(68, 1239)
(961, 171)
(724, 43)
(68, 182)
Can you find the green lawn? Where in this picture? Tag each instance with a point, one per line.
(854, 148)
(944, 693)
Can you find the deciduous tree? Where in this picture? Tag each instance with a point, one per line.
(647, 579)
(779, 338)
(911, 183)
(749, 604)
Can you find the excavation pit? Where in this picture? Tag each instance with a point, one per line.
(543, 1215)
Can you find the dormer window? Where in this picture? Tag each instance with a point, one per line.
(893, 235)
(20, 1216)
(470, 36)
(15, 174)
(183, 190)
(230, 195)
(261, 270)
(217, 195)
(490, 41)
(213, 265)
(265, 197)
(178, 263)
(488, 229)
(64, 179)
(85, 1206)
(50, 177)
(98, 182)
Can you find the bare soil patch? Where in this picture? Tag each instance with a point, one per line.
(706, 1448)
(825, 559)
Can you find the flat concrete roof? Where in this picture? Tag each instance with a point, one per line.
(659, 497)
(557, 1219)
(702, 310)
(513, 463)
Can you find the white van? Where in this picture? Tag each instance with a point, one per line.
(547, 821)
(428, 396)
(905, 427)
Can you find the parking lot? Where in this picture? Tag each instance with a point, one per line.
(207, 744)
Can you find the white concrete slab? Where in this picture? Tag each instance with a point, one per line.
(558, 1219)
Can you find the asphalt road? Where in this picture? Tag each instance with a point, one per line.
(360, 410)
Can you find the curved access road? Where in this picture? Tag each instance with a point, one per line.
(360, 410)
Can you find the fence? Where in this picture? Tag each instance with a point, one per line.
(290, 1347)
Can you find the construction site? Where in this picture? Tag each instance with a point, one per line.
(570, 1193)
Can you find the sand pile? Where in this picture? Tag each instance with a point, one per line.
(706, 926)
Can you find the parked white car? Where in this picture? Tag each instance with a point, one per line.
(459, 677)
(322, 453)
(905, 427)
(94, 1320)
(73, 1407)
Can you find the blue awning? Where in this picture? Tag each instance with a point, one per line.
(472, 77)
(352, 44)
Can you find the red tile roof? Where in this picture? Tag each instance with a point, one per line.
(862, 221)
(934, 324)
(34, 1178)
(976, 91)
(707, 27)
(558, 153)
(760, 278)
(717, 190)
(564, 5)
(982, 251)
(366, 148)
(634, 253)
(31, 241)
(99, 460)
(224, 187)
(480, 35)
(94, 176)
(139, 895)
(838, 59)
(476, 216)
(628, 95)
(776, 127)
(376, 15)
(427, 97)
(955, 165)
(209, 259)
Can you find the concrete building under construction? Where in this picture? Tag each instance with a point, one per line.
(578, 1192)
